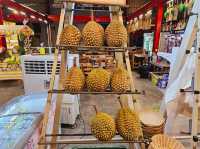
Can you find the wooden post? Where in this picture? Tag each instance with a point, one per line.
(49, 97)
(131, 101)
(119, 55)
(65, 18)
(196, 83)
(57, 115)
(49, 100)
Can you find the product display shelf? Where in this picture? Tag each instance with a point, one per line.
(91, 140)
(96, 93)
(82, 48)
(10, 75)
(54, 140)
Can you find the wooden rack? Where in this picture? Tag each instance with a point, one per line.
(128, 96)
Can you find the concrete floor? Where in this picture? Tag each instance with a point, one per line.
(10, 89)
(107, 103)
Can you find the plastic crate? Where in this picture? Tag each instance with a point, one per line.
(155, 77)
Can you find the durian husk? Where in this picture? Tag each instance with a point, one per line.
(164, 142)
(103, 126)
(93, 34)
(116, 34)
(98, 79)
(75, 80)
(70, 36)
(128, 124)
(120, 80)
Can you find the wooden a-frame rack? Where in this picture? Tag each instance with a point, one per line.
(192, 30)
(53, 141)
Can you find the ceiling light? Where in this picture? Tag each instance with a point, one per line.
(42, 14)
(149, 12)
(45, 21)
(13, 10)
(33, 17)
(40, 19)
(22, 13)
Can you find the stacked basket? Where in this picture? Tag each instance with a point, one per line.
(165, 142)
(152, 123)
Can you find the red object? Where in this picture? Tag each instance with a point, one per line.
(2, 37)
(82, 19)
(19, 7)
(1, 15)
(3, 46)
(158, 24)
(54, 18)
(16, 18)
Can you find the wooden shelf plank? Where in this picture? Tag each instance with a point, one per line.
(93, 141)
(82, 48)
(121, 3)
(95, 93)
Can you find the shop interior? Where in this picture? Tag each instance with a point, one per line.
(97, 74)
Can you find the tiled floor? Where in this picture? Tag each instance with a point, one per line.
(107, 103)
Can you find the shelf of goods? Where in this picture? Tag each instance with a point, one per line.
(91, 60)
(99, 81)
(10, 72)
(176, 15)
(10, 57)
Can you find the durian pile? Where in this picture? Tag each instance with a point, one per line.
(75, 79)
(70, 35)
(127, 124)
(120, 80)
(93, 34)
(103, 126)
(98, 80)
(116, 34)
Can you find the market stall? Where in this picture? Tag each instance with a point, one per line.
(16, 39)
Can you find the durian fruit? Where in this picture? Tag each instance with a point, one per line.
(70, 35)
(103, 126)
(116, 34)
(75, 79)
(98, 79)
(120, 80)
(128, 124)
(93, 34)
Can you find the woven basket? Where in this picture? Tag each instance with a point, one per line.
(152, 123)
(164, 142)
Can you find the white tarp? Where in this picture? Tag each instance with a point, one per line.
(172, 94)
(181, 72)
